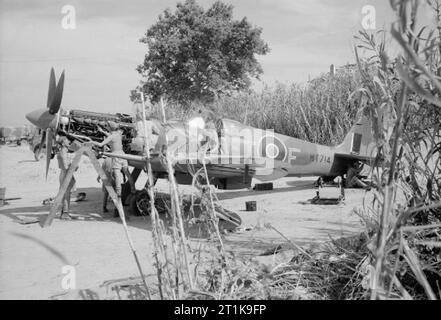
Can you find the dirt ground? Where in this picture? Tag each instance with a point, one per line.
(32, 258)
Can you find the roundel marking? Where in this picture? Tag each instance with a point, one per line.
(272, 150)
(272, 147)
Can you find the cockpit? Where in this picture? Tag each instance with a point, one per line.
(204, 133)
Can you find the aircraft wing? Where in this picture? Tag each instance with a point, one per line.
(222, 165)
(128, 157)
(198, 159)
(354, 156)
(220, 160)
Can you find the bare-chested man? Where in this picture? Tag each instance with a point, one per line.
(151, 128)
(64, 164)
(114, 141)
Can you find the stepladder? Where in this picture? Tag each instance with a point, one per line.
(84, 149)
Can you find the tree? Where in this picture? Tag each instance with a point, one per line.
(197, 55)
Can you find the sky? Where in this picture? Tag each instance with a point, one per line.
(100, 55)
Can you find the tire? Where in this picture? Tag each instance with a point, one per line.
(39, 154)
(139, 203)
(126, 195)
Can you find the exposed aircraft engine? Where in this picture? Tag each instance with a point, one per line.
(85, 123)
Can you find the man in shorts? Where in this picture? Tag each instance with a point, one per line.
(64, 163)
(114, 141)
(353, 176)
(107, 168)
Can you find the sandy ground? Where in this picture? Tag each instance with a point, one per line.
(32, 258)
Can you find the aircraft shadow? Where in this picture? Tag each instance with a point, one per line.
(90, 209)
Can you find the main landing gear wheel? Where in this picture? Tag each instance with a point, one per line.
(39, 153)
(139, 203)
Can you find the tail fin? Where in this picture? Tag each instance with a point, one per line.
(359, 140)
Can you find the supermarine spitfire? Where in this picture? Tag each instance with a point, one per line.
(232, 152)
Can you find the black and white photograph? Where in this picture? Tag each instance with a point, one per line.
(219, 154)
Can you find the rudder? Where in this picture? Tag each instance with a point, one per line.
(359, 140)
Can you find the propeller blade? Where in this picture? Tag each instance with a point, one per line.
(52, 87)
(43, 138)
(49, 140)
(58, 95)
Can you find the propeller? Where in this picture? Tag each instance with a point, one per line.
(43, 138)
(49, 141)
(55, 100)
(52, 88)
(48, 119)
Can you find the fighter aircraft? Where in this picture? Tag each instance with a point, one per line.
(232, 152)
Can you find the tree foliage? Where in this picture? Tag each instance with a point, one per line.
(197, 55)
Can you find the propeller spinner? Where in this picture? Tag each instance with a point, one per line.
(47, 119)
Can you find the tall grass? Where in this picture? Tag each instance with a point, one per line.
(400, 256)
(322, 111)
(403, 100)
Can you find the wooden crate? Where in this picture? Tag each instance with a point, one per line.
(251, 206)
(263, 186)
